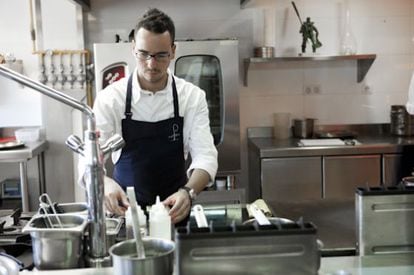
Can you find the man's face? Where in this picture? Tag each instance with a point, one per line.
(153, 53)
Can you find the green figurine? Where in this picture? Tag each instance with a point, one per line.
(309, 31)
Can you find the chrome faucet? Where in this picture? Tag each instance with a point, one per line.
(94, 161)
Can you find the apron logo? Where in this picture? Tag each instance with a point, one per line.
(175, 135)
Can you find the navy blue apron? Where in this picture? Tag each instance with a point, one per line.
(152, 159)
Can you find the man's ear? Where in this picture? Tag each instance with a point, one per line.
(133, 47)
(173, 47)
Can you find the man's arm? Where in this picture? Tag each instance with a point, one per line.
(181, 201)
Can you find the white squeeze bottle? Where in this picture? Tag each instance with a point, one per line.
(142, 223)
(159, 221)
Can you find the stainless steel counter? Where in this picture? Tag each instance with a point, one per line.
(22, 156)
(271, 148)
(333, 213)
(402, 264)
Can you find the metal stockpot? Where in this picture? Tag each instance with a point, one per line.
(159, 257)
(303, 128)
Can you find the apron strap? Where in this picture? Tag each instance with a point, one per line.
(175, 98)
(128, 113)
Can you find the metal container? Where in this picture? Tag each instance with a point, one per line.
(264, 52)
(402, 123)
(303, 128)
(113, 226)
(385, 220)
(289, 248)
(56, 247)
(159, 257)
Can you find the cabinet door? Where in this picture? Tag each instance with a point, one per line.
(343, 174)
(291, 179)
(391, 169)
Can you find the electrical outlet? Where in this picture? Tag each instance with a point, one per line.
(316, 89)
(366, 89)
(308, 90)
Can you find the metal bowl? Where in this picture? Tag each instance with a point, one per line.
(159, 257)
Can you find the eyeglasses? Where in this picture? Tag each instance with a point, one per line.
(160, 57)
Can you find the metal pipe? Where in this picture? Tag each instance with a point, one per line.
(94, 175)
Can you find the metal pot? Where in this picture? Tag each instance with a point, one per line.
(8, 266)
(159, 257)
(303, 128)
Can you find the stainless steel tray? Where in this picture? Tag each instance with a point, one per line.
(8, 145)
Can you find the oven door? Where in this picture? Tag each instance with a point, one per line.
(213, 65)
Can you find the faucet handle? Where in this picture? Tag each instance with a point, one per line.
(75, 143)
(113, 144)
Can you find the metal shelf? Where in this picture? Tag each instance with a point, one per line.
(364, 62)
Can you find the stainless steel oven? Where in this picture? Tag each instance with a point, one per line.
(213, 65)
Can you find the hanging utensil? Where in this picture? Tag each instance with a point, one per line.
(81, 78)
(42, 69)
(70, 77)
(61, 76)
(51, 78)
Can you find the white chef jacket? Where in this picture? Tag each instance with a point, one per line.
(109, 109)
(410, 102)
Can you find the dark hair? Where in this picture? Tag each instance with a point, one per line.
(156, 21)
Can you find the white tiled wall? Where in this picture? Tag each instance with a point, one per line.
(380, 27)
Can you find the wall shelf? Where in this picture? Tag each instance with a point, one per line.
(364, 62)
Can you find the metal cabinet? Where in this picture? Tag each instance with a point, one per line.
(291, 179)
(343, 174)
(391, 169)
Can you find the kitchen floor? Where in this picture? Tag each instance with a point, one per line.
(334, 219)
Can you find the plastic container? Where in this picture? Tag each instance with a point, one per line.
(27, 134)
(142, 223)
(159, 221)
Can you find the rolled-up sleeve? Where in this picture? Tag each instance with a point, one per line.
(200, 141)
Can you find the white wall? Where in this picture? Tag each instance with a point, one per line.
(381, 27)
(25, 107)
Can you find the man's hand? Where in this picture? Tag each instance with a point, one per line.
(115, 200)
(180, 205)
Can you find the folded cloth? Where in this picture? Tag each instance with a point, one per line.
(261, 204)
(321, 142)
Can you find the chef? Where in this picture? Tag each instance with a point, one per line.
(163, 120)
